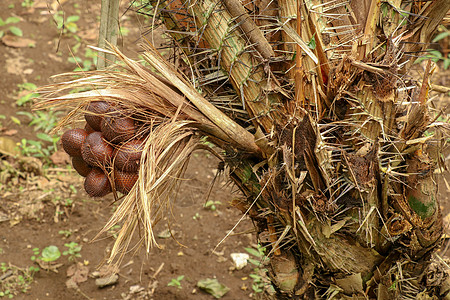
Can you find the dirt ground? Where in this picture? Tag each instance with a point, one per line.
(44, 205)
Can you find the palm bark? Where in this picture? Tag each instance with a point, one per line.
(348, 178)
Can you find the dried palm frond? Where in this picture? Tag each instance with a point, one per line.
(166, 152)
(172, 128)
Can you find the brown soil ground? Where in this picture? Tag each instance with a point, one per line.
(34, 209)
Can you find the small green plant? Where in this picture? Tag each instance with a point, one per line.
(204, 141)
(65, 233)
(3, 267)
(260, 280)
(436, 55)
(73, 189)
(113, 231)
(212, 205)
(88, 63)
(36, 253)
(67, 25)
(48, 254)
(13, 29)
(26, 86)
(47, 144)
(38, 149)
(18, 280)
(260, 255)
(68, 202)
(27, 3)
(176, 282)
(42, 120)
(73, 251)
(82, 65)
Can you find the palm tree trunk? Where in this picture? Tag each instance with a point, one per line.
(346, 200)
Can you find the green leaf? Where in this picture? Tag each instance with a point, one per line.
(435, 53)
(74, 59)
(176, 282)
(15, 120)
(72, 19)
(255, 262)
(12, 20)
(446, 63)
(253, 252)
(441, 36)
(213, 287)
(2, 23)
(50, 253)
(25, 113)
(76, 47)
(27, 98)
(29, 86)
(312, 43)
(16, 31)
(36, 144)
(44, 137)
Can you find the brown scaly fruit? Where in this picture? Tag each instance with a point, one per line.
(98, 109)
(88, 128)
(72, 141)
(128, 155)
(81, 166)
(97, 183)
(96, 151)
(124, 181)
(118, 129)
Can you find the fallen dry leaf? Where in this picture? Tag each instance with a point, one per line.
(60, 158)
(18, 42)
(8, 147)
(78, 273)
(10, 132)
(54, 57)
(105, 271)
(41, 4)
(106, 281)
(49, 266)
(213, 287)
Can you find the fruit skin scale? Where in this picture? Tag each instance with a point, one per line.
(96, 151)
(127, 156)
(118, 129)
(96, 111)
(81, 166)
(97, 183)
(124, 181)
(72, 141)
